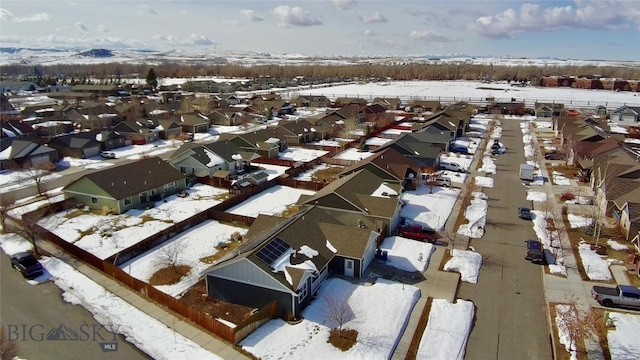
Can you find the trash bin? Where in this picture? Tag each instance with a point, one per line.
(384, 255)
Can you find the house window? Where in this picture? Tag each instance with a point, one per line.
(303, 292)
(153, 192)
(127, 201)
(94, 200)
(183, 170)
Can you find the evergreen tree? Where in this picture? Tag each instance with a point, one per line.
(151, 78)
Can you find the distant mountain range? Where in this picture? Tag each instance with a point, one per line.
(52, 56)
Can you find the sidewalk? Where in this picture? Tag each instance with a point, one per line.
(203, 338)
(558, 288)
(437, 284)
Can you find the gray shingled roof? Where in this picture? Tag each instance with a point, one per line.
(133, 178)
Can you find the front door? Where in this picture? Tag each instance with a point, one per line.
(348, 267)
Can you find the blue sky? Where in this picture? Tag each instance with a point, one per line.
(581, 29)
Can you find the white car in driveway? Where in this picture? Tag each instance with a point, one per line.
(108, 154)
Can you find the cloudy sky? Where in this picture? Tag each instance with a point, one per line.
(580, 29)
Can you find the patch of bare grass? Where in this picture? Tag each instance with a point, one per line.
(223, 249)
(169, 275)
(343, 339)
(328, 174)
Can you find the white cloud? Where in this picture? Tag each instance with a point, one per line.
(174, 41)
(251, 15)
(429, 36)
(369, 32)
(6, 15)
(593, 15)
(294, 16)
(80, 26)
(376, 17)
(342, 5)
(102, 28)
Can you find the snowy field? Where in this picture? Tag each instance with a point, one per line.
(428, 209)
(462, 90)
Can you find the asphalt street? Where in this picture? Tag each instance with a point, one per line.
(46, 327)
(511, 321)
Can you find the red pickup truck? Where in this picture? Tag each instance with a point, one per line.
(416, 232)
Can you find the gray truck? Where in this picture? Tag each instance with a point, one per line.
(621, 295)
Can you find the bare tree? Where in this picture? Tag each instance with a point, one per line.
(338, 310)
(8, 348)
(349, 128)
(6, 202)
(578, 324)
(169, 256)
(27, 226)
(38, 172)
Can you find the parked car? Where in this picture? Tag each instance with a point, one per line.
(451, 167)
(458, 149)
(525, 213)
(621, 295)
(534, 252)
(553, 156)
(416, 232)
(27, 264)
(442, 181)
(108, 155)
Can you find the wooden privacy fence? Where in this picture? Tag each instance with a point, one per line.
(232, 335)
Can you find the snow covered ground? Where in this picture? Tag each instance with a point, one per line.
(272, 201)
(447, 330)
(406, 254)
(623, 340)
(104, 236)
(377, 334)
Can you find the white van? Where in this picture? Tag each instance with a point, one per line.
(451, 167)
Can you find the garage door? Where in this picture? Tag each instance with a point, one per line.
(91, 152)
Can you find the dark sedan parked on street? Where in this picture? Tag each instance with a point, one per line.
(27, 264)
(525, 213)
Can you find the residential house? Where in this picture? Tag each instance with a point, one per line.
(101, 90)
(317, 101)
(626, 115)
(20, 153)
(135, 185)
(7, 86)
(227, 117)
(195, 123)
(15, 128)
(82, 145)
(5, 106)
(262, 142)
(616, 181)
(221, 158)
(423, 106)
(286, 260)
(388, 103)
(296, 132)
(168, 129)
(138, 132)
(390, 165)
(109, 139)
(346, 101)
(423, 148)
(364, 198)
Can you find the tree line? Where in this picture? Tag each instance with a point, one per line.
(70, 74)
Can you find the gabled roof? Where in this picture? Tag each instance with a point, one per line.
(75, 141)
(589, 149)
(356, 192)
(133, 178)
(194, 119)
(627, 108)
(12, 148)
(388, 160)
(289, 248)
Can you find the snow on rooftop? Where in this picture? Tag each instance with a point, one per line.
(384, 190)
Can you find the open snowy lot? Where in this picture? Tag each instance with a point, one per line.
(272, 201)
